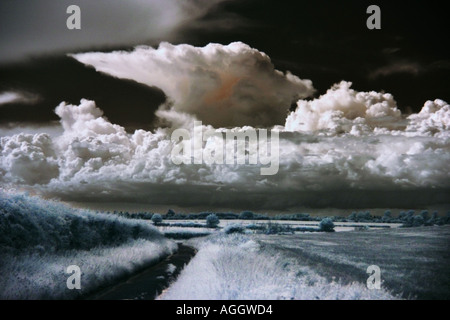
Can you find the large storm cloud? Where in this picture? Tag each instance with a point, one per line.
(344, 149)
(224, 86)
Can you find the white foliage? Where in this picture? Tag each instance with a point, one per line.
(39, 239)
(235, 267)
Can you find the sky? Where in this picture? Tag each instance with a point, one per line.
(86, 115)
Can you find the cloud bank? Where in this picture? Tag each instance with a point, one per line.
(345, 149)
(104, 23)
(224, 86)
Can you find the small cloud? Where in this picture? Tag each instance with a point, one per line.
(388, 51)
(10, 97)
(404, 67)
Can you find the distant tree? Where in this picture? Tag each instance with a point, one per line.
(326, 225)
(352, 216)
(402, 215)
(418, 221)
(425, 215)
(246, 215)
(212, 221)
(364, 216)
(433, 220)
(414, 221)
(170, 213)
(387, 216)
(157, 218)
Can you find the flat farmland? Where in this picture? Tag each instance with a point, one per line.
(414, 262)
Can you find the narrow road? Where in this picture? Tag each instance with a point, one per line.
(148, 284)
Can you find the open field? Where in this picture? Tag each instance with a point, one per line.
(413, 261)
(339, 226)
(236, 267)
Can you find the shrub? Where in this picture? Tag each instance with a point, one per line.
(257, 227)
(326, 225)
(234, 228)
(156, 218)
(212, 221)
(275, 228)
(30, 222)
(246, 215)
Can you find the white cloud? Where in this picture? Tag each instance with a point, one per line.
(343, 109)
(28, 159)
(53, 129)
(224, 86)
(104, 23)
(94, 160)
(9, 97)
(344, 149)
(400, 67)
(433, 119)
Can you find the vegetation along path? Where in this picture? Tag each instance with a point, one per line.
(148, 284)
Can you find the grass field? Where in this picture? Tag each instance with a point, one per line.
(414, 262)
(236, 267)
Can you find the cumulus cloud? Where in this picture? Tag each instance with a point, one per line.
(433, 119)
(9, 97)
(53, 129)
(224, 86)
(28, 159)
(95, 160)
(344, 149)
(342, 110)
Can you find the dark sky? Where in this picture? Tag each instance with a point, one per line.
(325, 41)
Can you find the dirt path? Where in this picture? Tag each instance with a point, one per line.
(148, 284)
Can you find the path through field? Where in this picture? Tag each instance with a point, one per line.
(151, 282)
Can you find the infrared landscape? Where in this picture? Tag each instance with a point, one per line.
(223, 150)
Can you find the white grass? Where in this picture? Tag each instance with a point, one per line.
(236, 267)
(39, 239)
(34, 276)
